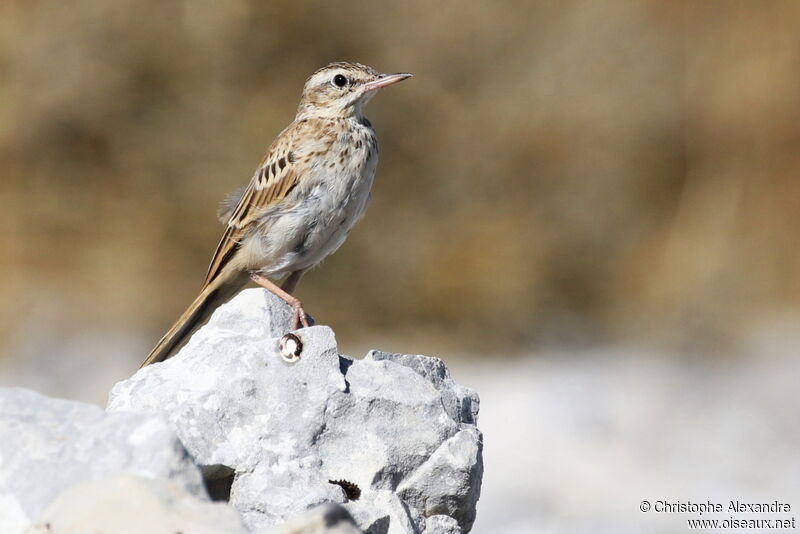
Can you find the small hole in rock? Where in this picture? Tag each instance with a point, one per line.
(351, 491)
(290, 347)
(218, 479)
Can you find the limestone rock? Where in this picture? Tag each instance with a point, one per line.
(441, 524)
(390, 437)
(324, 519)
(132, 505)
(48, 445)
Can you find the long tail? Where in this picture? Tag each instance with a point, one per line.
(211, 297)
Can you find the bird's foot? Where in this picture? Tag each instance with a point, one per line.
(299, 316)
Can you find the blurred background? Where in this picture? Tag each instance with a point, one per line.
(590, 209)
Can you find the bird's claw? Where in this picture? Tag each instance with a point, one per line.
(299, 317)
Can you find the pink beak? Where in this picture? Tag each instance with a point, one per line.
(386, 79)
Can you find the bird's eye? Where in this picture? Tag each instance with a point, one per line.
(339, 80)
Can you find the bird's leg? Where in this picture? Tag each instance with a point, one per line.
(290, 283)
(299, 315)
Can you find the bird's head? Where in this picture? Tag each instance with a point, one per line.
(342, 90)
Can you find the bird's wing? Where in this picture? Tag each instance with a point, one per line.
(278, 173)
(227, 206)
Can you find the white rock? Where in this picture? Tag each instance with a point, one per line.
(132, 505)
(48, 445)
(324, 519)
(448, 479)
(441, 524)
(395, 426)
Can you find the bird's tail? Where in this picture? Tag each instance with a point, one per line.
(211, 297)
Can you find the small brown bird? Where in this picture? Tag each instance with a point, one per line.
(306, 195)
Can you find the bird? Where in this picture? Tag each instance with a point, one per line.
(306, 194)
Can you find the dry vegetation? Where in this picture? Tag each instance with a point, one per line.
(555, 169)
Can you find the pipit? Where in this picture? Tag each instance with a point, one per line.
(306, 195)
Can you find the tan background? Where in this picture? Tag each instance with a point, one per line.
(556, 171)
(607, 190)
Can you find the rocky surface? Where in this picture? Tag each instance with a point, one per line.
(297, 438)
(324, 519)
(127, 504)
(390, 437)
(48, 445)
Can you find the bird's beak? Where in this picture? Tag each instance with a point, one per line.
(386, 79)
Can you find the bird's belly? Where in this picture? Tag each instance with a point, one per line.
(323, 240)
(315, 227)
(331, 221)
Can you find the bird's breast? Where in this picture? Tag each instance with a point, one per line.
(330, 200)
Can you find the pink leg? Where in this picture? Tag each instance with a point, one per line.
(299, 317)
